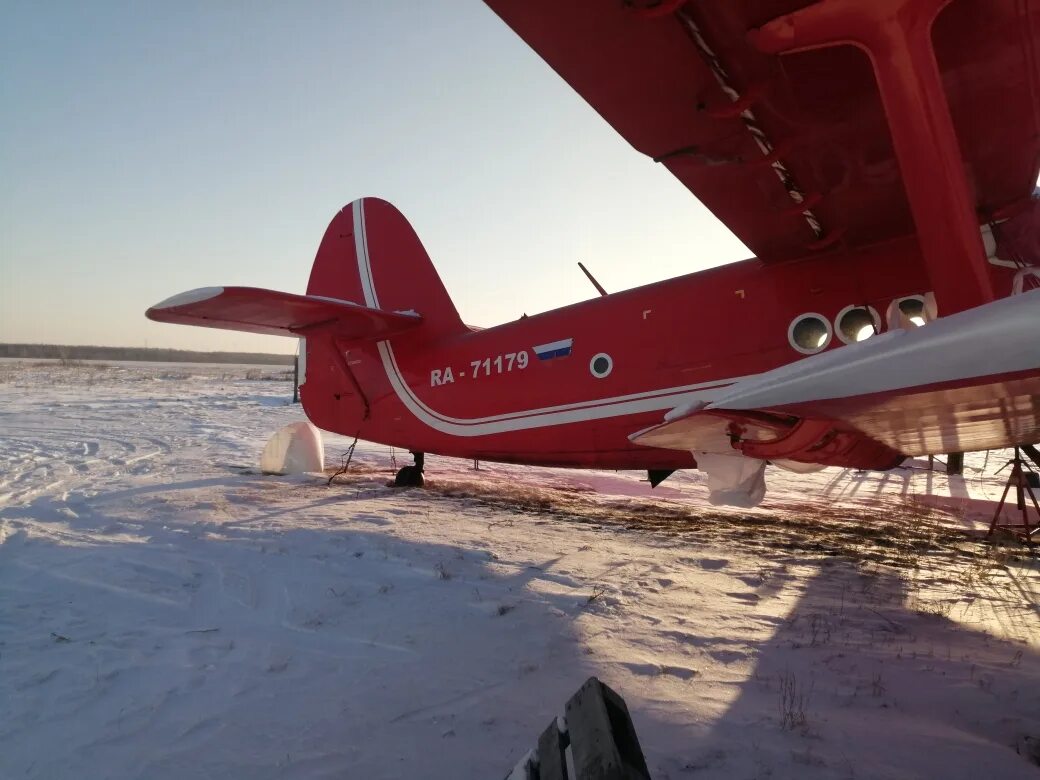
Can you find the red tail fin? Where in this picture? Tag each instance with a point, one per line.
(372, 256)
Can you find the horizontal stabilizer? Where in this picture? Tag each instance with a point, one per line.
(255, 310)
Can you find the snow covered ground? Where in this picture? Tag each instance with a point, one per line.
(167, 612)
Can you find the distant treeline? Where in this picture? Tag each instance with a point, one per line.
(62, 352)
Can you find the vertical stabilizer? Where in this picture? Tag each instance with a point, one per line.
(371, 255)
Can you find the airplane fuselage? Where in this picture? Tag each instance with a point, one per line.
(569, 386)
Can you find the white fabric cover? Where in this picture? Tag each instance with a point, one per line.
(295, 449)
(733, 480)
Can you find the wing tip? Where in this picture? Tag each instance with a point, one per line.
(184, 298)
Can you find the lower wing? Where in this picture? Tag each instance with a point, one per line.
(966, 382)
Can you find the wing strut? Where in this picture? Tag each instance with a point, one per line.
(897, 34)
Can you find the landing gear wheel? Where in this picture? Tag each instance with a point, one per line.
(409, 476)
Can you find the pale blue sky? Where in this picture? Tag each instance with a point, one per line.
(147, 149)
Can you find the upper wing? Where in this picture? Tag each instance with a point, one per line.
(937, 389)
(673, 78)
(274, 313)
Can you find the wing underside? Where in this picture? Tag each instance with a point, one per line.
(792, 153)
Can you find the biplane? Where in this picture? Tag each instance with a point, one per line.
(878, 157)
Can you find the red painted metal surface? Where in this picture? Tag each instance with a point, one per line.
(274, 313)
(822, 161)
(570, 386)
(959, 131)
(897, 36)
(666, 340)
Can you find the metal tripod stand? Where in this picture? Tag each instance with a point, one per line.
(1024, 480)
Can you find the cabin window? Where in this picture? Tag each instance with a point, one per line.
(809, 333)
(913, 310)
(601, 365)
(857, 323)
(908, 312)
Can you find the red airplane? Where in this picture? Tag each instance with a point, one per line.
(878, 156)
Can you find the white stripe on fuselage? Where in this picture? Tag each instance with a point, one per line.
(599, 409)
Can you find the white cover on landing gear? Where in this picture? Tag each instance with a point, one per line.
(294, 449)
(733, 480)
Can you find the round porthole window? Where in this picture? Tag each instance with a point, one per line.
(913, 309)
(809, 333)
(857, 323)
(601, 365)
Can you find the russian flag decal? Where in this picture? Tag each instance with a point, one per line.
(554, 349)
